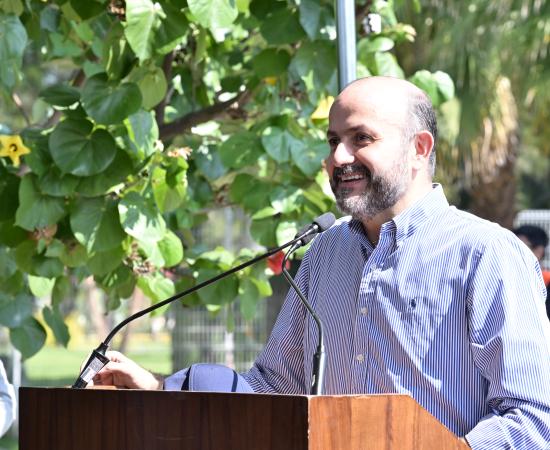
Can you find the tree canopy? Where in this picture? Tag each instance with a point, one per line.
(125, 122)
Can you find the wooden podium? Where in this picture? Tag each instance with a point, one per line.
(101, 419)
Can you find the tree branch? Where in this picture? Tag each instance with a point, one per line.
(17, 100)
(169, 130)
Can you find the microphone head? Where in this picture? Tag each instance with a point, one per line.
(325, 221)
(320, 224)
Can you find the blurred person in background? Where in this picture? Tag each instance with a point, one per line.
(537, 240)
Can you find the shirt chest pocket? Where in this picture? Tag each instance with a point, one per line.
(419, 315)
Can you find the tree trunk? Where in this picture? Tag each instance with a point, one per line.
(493, 193)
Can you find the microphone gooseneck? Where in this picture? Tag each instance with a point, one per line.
(318, 372)
(98, 360)
(322, 223)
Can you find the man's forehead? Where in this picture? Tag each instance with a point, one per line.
(349, 113)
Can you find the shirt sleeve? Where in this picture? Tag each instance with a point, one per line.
(510, 344)
(7, 402)
(280, 366)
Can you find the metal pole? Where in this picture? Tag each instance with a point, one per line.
(345, 30)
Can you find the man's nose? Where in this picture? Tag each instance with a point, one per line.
(343, 155)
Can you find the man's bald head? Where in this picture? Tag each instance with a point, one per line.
(396, 101)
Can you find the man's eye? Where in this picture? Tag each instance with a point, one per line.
(333, 142)
(363, 138)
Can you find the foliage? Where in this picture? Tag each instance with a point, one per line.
(485, 46)
(141, 117)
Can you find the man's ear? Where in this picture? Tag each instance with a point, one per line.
(423, 144)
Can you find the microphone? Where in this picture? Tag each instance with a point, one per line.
(98, 360)
(322, 223)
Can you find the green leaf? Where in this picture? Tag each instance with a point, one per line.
(209, 163)
(445, 85)
(96, 224)
(282, 27)
(10, 235)
(316, 61)
(387, 65)
(40, 286)
(152, 252)
(143, 17)
(425, 81)
(109, 102)
(61, 290)
(24, 256)
(263, 231)
(73, 254)
(241, 150)
(101, 263)
(13, 40)
(153, 87)
(36, 210)
(250, 192)
(271, 62)
(156, 287)
(309, 156)
(12, 7)
(286, 232)
(9, 188)
(40, 159)
(143, 133)
(47, 267)
(79, 149)
(120, 282)
(107, 180)
(63, 46)
(55, 321)
(373, 45)
(14, 312)
(49, 18)
(116, 53)
(285, 199)
(29, 337)
(277, 143)
(169, 193)
(310, 17)
(172, 30)
(213, 14)
(219, 293)
(268, 211)
(248, 298)
(140, 219)
(60, 95)
(88, 9)
(7, 263)
(171, 249)
(57, 185)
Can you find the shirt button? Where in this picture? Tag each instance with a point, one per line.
(360, 357)
(364, 311)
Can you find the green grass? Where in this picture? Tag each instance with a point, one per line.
(9, 443)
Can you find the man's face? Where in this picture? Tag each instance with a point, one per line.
(368, 164)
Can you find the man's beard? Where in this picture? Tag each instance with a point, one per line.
(380, 193)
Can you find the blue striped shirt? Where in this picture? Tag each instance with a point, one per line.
(447, 308)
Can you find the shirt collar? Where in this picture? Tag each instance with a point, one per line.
(407, 222)
(416, 215)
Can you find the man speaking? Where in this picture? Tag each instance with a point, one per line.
(416, 296)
